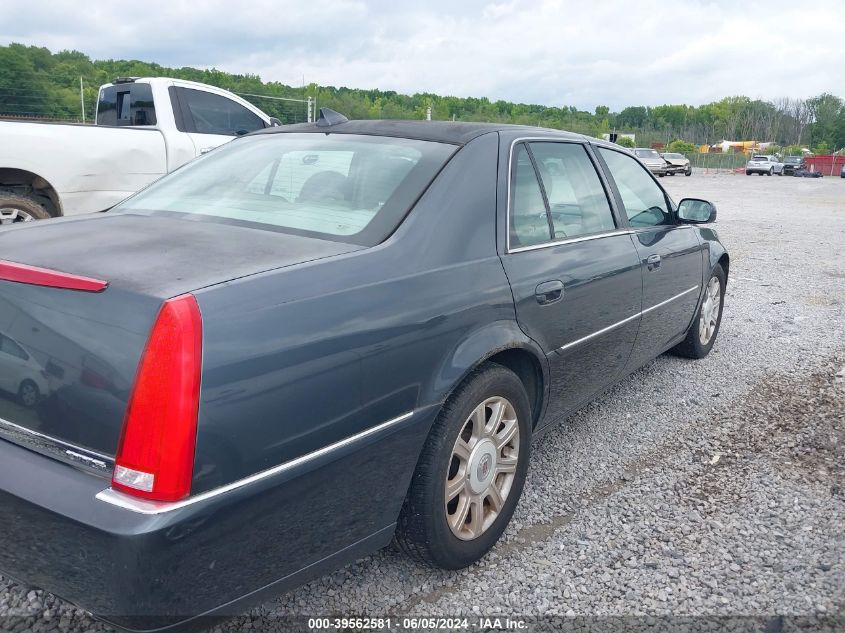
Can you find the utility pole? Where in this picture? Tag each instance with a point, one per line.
(428, 113)
(82, 98)
(310, 115)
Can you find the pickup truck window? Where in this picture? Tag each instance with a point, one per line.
(126, 104)
(341, 187)
(209, 113)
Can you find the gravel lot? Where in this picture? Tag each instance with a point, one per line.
(708, 488)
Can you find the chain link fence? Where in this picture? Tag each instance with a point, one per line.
(716, 162)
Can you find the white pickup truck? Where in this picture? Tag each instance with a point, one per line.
(146, 127)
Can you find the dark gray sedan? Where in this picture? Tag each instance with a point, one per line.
(322, 338)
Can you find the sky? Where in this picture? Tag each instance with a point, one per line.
(551, 52)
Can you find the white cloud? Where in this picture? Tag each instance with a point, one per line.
(553, 52)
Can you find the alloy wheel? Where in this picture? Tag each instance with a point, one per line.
(29, 395)
(10, 215)
(482, 468)
(710, 311)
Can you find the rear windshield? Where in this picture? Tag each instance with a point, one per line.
(647, 153)
(793, 159)
(342, 187)
(763, 158)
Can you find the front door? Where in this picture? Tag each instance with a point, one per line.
(574, 271)
(671, 257)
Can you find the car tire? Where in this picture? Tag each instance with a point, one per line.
(455, 533)
(28, 393)
(17, 208)
(747, 173)
(771, 171)
(708, 318)
(671, 173)
(688, 172)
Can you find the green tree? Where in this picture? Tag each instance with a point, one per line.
(682, 147)
(625, 141)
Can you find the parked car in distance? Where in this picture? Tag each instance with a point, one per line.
(652, 160)
(20, 373)
(791, 164)
(385, 317)
(764, 165)
(144, 129)
(677, 164)
(842, 172)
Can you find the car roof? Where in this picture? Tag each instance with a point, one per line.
(454, 132)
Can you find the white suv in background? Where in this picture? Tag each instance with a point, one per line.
(764, 164)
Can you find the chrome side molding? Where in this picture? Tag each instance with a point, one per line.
(144, 506)
(613, 326)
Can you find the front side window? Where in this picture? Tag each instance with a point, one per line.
(343, 187)
(577, 200)
(644, 200)
(215, 114)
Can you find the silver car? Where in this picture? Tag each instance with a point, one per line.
(652, 160)
(677, 164)
(764, 165)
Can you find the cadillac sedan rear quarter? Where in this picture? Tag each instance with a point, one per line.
(317, 340)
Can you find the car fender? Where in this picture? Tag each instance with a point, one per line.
(479, 346)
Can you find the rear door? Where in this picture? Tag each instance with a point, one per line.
(573, 269)
(670, 254)
(211, 119)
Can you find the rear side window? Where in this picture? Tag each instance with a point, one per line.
(126, 104)
(644, 200)
(577, 200)
(344, 187)
(208, 113)
(529, 220)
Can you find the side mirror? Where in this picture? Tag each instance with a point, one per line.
(274, 122)
(696, 211)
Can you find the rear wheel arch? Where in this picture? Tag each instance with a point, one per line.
(520, 357)
(529, 370)
(29, 184)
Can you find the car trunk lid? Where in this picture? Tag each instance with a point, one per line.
(80, 346)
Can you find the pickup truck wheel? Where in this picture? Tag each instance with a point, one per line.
(471, 472)
(705, 326)
(28, 393)
(17, 208)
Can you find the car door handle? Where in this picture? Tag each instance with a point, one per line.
(549, 292)
(653, 261)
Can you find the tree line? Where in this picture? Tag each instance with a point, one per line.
(34, 82)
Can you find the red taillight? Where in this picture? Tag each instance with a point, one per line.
(155, 458)
(34, 276)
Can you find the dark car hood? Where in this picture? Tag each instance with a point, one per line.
(154, 255)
